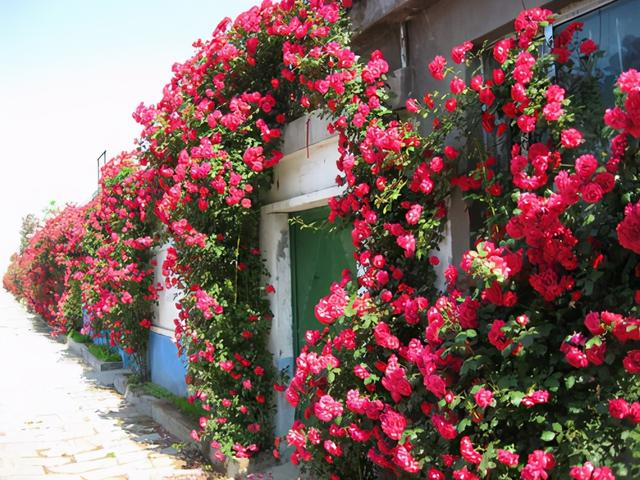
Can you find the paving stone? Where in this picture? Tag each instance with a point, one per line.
(83, 467)
(94, 455)
(44, 461)
(17, 470)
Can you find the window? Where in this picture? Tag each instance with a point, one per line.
(615, 27)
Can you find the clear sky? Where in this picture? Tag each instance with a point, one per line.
(71, 74)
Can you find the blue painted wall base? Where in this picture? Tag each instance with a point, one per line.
(167, 368)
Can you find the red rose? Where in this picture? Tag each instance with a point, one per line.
(576, 358)
(588, 46)
(412, 105)
(458, 52)
(507, 458)
(469, 453)
(592, 322)
(595, 353)
(586, 166)
(393, 424)
(552, 111)
(629, 228)
(498, 76)
(634, 412)
(629, 81)
(496, 337)
(592, 193)
(436, 67)
(435, 474)
(527, 123)
(618, 408)
(457, 86)
(571, 138)
(446, 429)
(631, 362)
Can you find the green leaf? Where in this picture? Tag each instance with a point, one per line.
(463, 425)
(516, 397)
(547, 436)
(593, 341)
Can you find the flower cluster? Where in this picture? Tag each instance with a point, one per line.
(116, 273)
(41, 273)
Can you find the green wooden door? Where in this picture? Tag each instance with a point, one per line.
(318, 258)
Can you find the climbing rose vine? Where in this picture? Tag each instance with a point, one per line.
(522, 361)
(89, 268)
(116, 275)
(212, 141)
(40, 273)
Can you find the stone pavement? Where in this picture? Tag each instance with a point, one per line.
(57, 423)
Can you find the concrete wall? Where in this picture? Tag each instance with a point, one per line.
(433, 27)
(166, 367)
(165, 311)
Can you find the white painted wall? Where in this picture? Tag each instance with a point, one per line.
(304, 179)
(165, 310)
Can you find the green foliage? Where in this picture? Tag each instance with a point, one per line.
(78, 337)
(193, 410)
(103, 353)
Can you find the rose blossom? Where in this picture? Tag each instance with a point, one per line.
(507, 458)
(618, 408)
(393, 423)
(571, 138)
(484, 398)
(628, 229)
(632, 361)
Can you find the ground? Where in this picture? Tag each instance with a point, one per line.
(56, 422)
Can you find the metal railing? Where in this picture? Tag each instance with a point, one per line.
(103, 158)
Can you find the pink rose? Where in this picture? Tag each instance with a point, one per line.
(484, 398)
(571, 138)
(507, 458)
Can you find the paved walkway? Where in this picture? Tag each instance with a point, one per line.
(57, 423)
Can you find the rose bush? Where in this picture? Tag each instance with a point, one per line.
(525, 366)
(116, 275)
(39, 274)
(212, 140)
(97, 258)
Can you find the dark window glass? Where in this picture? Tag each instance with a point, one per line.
(616, 30)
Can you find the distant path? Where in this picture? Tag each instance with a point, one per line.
(57, 423)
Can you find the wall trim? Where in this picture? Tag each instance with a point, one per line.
(163, 331)
(303, 202)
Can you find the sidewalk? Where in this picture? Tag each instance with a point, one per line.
(57, 423)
